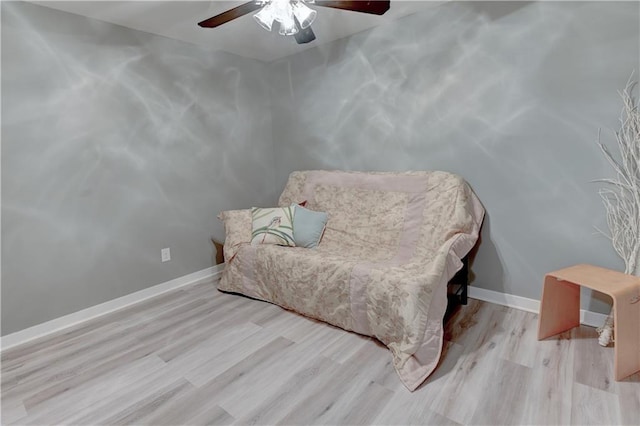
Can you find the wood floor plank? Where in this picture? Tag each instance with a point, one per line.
(38, 371)
(173, 324)
(549, 396)
(145, 407)
(521, 328)
(211, 417)
(132, 314)
(209, 367)
(249, 389)
(452, 354)
(49, 343)
(93, 363)
(192, 409)
(411, 414)
(65, 405)
(306, 381)
(40, 365)
(468, 322)
(142, 386)
(15, 361)
(266, 313)
(461, 394)
(414, 408)
(178, 409)
(345, 347)
(336, 398)
(294, 326)
(12, 412)
(59, 386)
(628, 392)
(215, 322)
(469, 378)
(593, 363)
(594, 406)
(366, 403)
(195, 356)
(262, 357)
(510, 382)
(199, 356)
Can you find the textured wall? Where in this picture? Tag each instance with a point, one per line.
(115, 144)
(509, 95)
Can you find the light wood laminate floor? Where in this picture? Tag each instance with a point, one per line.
(198, 356)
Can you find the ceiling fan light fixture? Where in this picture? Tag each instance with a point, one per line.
(305, 15)
(294, 17)
(265, 17)
(285, 12)
(287, 25)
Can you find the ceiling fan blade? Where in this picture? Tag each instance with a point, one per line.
(230, 15)
(304, 35)
(374, 7)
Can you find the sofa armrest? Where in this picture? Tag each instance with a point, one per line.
(237, 227)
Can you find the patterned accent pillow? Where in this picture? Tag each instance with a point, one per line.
(272, 226)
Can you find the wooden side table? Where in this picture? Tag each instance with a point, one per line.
(560, 309)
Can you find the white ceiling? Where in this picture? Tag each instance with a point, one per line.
(243, 36)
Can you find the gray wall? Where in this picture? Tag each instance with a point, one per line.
(508, 95)
(115, 144)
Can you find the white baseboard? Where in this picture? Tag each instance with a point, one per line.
(589, 318)
(592, 319)
(55, 325)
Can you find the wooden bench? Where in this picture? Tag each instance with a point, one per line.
(560, 309)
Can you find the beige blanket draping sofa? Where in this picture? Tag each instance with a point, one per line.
(391, 244)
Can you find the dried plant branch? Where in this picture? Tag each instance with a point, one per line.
(621, 197)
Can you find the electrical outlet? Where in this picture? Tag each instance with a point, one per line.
(165, 254)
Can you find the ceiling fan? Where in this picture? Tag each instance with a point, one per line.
(294, 16)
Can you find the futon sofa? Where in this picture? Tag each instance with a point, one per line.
(391, 243)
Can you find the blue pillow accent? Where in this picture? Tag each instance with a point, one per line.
(308, 226)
